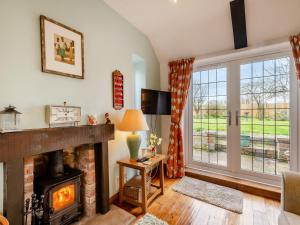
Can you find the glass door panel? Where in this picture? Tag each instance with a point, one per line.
(210, 116)
(264, 116)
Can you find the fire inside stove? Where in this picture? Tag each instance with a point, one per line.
(63, 197)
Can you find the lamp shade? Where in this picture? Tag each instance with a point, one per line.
(133, 120)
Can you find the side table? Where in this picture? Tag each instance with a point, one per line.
(158, 160)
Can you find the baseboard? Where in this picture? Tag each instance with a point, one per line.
(114, 198)
(250, 187)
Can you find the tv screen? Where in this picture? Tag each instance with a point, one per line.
(156, 102)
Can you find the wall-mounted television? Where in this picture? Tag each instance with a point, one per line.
(156, 102)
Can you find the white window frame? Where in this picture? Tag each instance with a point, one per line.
(232, 62)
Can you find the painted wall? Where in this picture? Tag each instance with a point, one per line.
(109, 42)
(165, 120)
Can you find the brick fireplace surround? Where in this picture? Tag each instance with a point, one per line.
(82, 158)
(85, 148)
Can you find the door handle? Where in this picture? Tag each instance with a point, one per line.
(237, 116)
(229, 118)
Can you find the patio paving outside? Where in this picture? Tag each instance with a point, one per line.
(220, 158)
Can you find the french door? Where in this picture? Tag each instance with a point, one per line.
(241, 118)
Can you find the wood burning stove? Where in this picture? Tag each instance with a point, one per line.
(61, 188)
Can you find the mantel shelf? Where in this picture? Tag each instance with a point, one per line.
(38, 141)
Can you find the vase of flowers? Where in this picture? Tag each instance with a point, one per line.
(154, 142)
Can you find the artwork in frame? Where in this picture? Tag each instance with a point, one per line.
(62, 49)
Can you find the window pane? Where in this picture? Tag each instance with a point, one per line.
(210, 116)
(269, 68)
(257, 69)
(246, 86)
(204, 77)
(246, 71)
(212, 89)
(212, 76)
(221, 74)
(196, 78)
(221, 88)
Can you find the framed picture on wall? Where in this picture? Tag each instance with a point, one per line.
(62, 49)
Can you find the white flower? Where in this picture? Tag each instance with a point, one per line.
(159, 141)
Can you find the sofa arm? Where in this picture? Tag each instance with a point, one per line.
(290, 196)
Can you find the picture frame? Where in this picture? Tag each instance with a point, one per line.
(62, 49)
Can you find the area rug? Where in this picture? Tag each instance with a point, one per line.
(115, 216)
(150, 219)
(217, 195)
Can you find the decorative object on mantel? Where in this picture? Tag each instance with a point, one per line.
(107, 120)
(3, 220)
(34, 207)
(9, 119)
(118, 90)
(56, 114)
(62, 49)
(134, 120)
(154, 142)
(92, 120)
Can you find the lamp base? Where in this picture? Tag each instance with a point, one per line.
(134, 143)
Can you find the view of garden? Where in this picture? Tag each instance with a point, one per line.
(263, 116)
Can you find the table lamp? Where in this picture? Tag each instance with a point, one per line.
(134, 121)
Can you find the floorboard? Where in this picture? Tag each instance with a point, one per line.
(178, 209)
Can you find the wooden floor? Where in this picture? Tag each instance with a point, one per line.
(178, 209)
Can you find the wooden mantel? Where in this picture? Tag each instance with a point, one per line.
(14, 147)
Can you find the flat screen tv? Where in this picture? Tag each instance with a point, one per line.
(156, 102)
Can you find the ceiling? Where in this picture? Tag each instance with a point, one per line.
(202, 27)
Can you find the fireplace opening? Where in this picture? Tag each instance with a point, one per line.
(63, 197)
(61, 187)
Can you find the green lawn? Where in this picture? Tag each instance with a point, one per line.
(258, 127)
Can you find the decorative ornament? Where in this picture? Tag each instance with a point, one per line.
(118, 90)
(92, 120)
(56, 114)
(107, 120)
(9, 119)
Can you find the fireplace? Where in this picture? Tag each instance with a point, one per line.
(90, 144)
(61, 187)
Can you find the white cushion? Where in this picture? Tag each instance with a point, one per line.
(286, 218)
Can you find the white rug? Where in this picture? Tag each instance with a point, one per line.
(217, 195)
(150, 219)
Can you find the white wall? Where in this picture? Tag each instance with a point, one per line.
(109, 42)
(165, 120)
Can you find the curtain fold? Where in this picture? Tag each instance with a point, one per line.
(295, 43)
(179, 82)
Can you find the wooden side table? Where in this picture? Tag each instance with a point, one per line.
(158, 160)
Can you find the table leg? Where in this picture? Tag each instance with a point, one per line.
(121, 183)
(161, 176)
(144, 192)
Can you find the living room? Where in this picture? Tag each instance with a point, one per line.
(149, 112)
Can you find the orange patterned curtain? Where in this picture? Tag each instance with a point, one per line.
(179, 81)
(295, 42)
